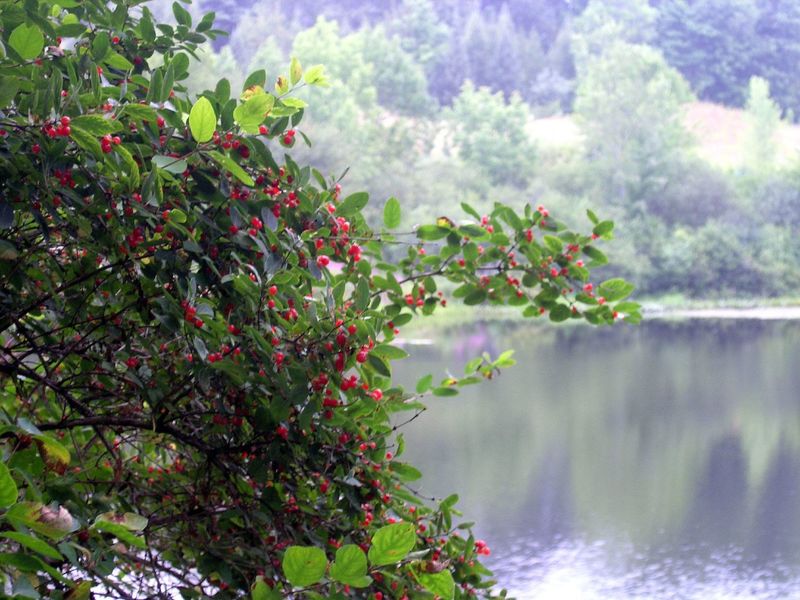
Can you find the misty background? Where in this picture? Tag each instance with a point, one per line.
(676, 118)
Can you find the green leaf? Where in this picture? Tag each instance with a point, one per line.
(391, 213)
(176, 215)
(392, 543)
(117, 61)
(405, 471)
(295, 70)
(444, 391)
(440, 584)
(598, 258)
(315, 75)
(121, 533)
(361, 296)
(559, 313)
(202, 120)
(8, 489)
(252, 113)
(96, 125)
(9, 86)
(615, 289)
(128, 520)
(87, 142)
(235, 170)
(432, 232)
(182, 16)
(603, 228)
(353, 204)
(140, 112)
(350, 566)
(379, 365)
(170, 164)
(390, 352)
(130, 163)
(304, 565)
(27, 41)
(424, 384)
(33, 543)
(261, 591)
(476, 296)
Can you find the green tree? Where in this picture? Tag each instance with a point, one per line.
(490, 134)
(196, 331)
(764, 118)
(606, 22)
(712, 43)
(399, 80)
(629, 103)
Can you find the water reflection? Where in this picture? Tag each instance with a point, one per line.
(661, 461)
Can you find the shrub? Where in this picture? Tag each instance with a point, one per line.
(195, 402)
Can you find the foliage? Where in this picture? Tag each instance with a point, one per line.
(712, 43)
(629, 102)
(490, 134)
(606, 22)
(764, 118)
(196, 332)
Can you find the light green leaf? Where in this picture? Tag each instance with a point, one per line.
(87, 141)
(353, 204)
(424, 384)
(229, 164)
(261, 591)
(390, 352)
(121, 533)
(350, 566)
(304, 565)
(295, 70)
(33, 543)
(615, 289)
(392, 543)
(315, 75)
(202, 120)
(96, 125)
(130, 163)
(252, 113)
(8, 489)
(391, 213)
(117, 61)
(405, 471)
(440, 584)
(140, 112)
(128, 520)
(27, 41)
(170, 164)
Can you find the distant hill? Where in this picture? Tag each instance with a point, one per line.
(720, 132)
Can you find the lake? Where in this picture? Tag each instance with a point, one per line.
(658, 461)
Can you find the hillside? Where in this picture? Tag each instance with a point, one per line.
(720, 131)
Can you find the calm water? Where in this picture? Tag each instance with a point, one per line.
(661, 461)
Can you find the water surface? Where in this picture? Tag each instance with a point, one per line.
(661, 461)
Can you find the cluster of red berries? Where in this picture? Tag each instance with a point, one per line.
(288, 137)
(190, 314)
(59, 128)
(107, 142)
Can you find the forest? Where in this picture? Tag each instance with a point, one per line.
(614, 104)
